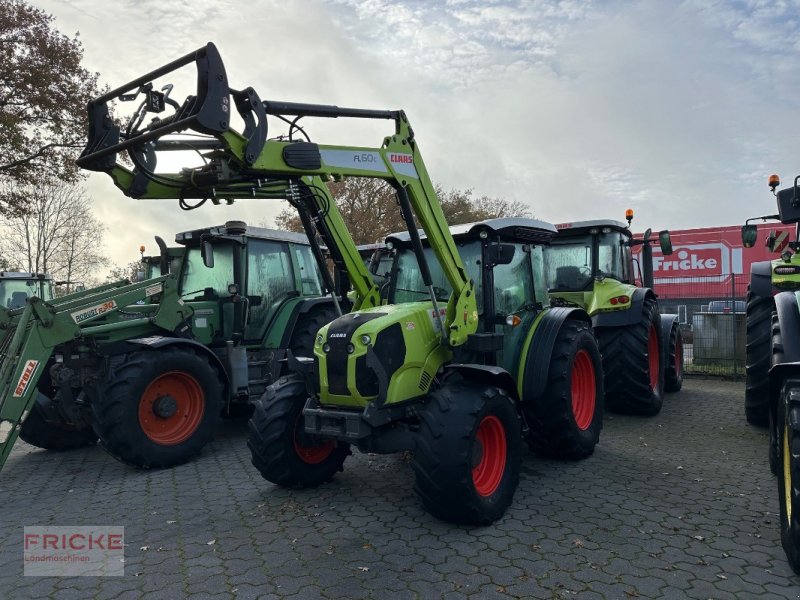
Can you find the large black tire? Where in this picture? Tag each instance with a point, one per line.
(756, 388)
(54, 435)
(772, 405)
(467, 452)
(158, 408)
(306, 329)
(565, 422)
(788, 424)
(673, 375)
(281, 450)
(633, 365)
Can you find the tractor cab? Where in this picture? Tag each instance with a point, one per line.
(17, 287)
(590, 264)
(504, 257)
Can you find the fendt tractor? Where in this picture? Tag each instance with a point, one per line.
(150, 367)
(421, 375)
(772, 394)
(16, 287)
(590, 265)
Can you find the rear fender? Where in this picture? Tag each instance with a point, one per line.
(535, 359)
(631, 316)
(761, 278)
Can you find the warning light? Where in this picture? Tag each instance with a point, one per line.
(629, 216)
(141, 250)
(774, 181)
(513, 320)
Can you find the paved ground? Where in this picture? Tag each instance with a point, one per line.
(678, 506)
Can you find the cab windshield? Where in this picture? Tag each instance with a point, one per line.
(408, 286)
(196, 277)
(15, 292)
(571, 264)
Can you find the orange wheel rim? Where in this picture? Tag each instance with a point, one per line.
(309, 452)
(584, 390)
(652, 357)
(490, 440)
(171, 408)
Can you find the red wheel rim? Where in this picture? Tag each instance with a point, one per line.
(652, 355)
(171, 408)
(312, 454)
(583, 390)
(678, 356)
(491, 440)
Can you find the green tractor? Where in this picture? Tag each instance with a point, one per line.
(425, 374)
(16, 287)
(152, 377)
(590, 265)
(772, 393)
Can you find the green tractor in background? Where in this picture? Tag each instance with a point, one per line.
(772, 395)
(425, 374)
(152, 377)
(590, 264)
(16, 287)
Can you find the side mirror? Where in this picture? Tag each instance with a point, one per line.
(749, 235)
(207, 253)
(501, 254)
(665, 242)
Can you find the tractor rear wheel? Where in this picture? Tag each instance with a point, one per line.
(673, 378)
(281, 450)
(565, 422)
(756, 391)
(466, 457)
(788, 425)
(772, 408)
(632, 363)
(158, 408)
(54, 434)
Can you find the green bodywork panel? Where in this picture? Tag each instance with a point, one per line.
(598, 299)
(424, 353)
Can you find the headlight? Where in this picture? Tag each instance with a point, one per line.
(320, 339)
(326, 348)
(366, 340)
(350, 348)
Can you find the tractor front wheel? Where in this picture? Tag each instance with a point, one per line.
(673, 380)
(55, 435)
(281, 450)
(632, 362)
(158, 408)
(756, 387)
(788, 425)
(565, 422)
(467, 452)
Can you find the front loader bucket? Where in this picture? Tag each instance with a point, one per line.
(207, 112)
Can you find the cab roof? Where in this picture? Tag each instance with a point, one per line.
(582, 227)
(21, 275)
(511, 229)
(193, 236)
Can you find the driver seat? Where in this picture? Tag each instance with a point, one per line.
(568, 278)
(17, 300)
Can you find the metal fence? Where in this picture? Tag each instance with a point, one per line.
(711, 311)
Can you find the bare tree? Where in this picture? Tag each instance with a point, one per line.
(43, 95)
(370, 211)
(57, 234)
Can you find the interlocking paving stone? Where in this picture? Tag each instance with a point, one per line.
(681, 505)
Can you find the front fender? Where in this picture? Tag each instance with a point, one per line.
(620, 318)
(538, 350)
(761, 278)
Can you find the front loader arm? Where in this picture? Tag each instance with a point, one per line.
(248, 165)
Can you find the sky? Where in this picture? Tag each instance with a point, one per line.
(677, 109)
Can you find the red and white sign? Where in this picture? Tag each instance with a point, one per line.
(704, 260)
(25, 378)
